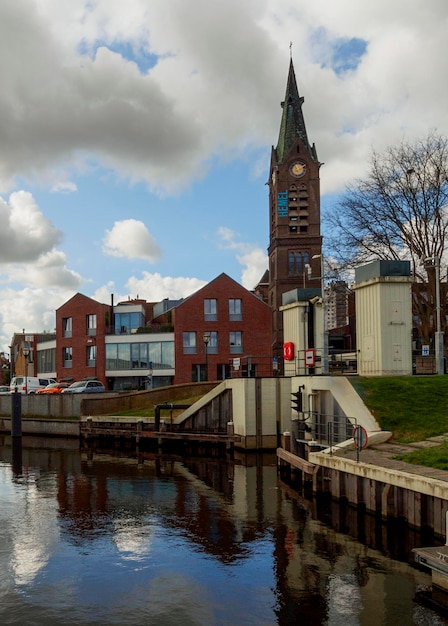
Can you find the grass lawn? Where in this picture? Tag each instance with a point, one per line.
(436, 457)
(149, 410)
(412, 407)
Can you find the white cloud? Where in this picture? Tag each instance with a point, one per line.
(132, 240)
(66, 186)
(25, 233)
(154, 287)
(253, 259)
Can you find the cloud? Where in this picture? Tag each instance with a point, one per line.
(150, 287)
(147, 89)
(253, 259)
(25, 233)
(50, 270)
(64, 187)
(132, 240)
(154, 287)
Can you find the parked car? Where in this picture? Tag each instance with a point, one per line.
(85, 386)
(30, 384)
(53, 388)
(4, 389)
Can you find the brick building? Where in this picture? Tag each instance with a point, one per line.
(220, 331)
(136, 344)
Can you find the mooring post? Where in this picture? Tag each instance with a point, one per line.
(16, 414)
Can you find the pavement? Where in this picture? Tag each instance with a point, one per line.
(383, 455)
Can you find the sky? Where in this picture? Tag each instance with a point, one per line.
(135, 137)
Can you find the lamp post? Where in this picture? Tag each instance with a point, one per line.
(438, 335)
(26, 354)
(206, 340)
(324, 316)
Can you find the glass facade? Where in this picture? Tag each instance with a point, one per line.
(127, 356)
(126, 323)
(46, 360)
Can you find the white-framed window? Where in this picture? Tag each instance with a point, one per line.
(236, 342)
(67, 357)
(67, 327)
(91, 324)
(210, 309)
(189, 339)
(235, 309)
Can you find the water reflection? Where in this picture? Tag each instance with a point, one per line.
(102, 538)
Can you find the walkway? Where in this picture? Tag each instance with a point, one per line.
(383, 455)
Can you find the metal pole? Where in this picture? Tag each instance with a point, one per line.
(439, 334)
(324, 322)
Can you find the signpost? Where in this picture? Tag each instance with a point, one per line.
(360, 438)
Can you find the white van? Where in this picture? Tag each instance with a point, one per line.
(29, 384)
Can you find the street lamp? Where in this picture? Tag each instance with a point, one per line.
(438, 335)
(324, 315)
(26, 354)
(206, 340)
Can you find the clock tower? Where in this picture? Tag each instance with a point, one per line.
(295, 244)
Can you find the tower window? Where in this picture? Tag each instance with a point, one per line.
(297, 262)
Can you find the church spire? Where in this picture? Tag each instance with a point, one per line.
(292, 126)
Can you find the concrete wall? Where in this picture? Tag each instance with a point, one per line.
(48, 427)
(75, 405)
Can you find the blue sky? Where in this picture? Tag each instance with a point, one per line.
(135, 137)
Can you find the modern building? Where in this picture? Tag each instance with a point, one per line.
(295, 245)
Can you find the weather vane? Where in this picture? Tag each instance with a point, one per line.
(290, 49)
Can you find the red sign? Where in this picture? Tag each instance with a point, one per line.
(309, 358)
(288, 351)
(360, 436)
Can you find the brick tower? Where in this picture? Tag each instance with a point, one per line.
(294, 210)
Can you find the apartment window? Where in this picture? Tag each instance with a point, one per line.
(236, 342)
(212, 347)
(198, 373)
(91, 324)
(210, 310)
(189, 342)
(235, 309)
(67, 357)
(91, 355)
(67, 327)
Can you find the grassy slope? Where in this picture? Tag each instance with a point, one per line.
(413, 408)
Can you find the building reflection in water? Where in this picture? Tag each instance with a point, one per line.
(224, 536)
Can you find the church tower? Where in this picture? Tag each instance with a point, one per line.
(295, 244)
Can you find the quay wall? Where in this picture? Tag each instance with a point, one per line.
(48, 427)
(75, 405)
(419, 500)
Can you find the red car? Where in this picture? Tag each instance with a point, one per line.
(53, 388)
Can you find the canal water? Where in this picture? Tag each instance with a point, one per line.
(116, 537)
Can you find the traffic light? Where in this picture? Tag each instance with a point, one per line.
(297, 401)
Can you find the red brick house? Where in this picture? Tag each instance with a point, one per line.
(81, 325)
(222, 331)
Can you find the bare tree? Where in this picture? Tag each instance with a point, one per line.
(399, 211)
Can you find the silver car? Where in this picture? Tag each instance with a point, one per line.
(85, 386)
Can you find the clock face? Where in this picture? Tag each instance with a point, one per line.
(298, 169)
